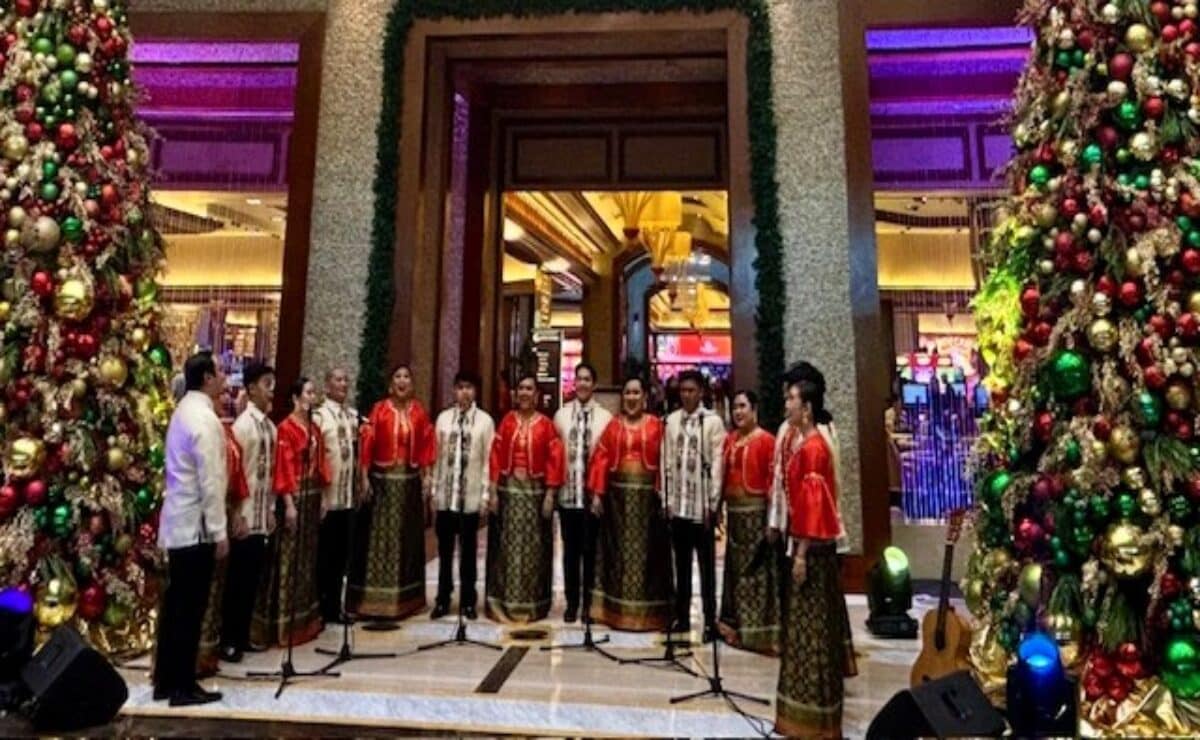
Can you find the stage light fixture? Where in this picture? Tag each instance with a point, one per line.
(1041, 696)
(889, 597)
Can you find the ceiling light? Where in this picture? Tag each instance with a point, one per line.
(254, 201)
(513, 231)
(556, 265)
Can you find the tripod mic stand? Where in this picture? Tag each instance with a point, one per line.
(460, 630)
(346, 652)
(589, 644)
(287, 670)
(715, 687)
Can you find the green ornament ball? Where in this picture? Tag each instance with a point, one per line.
(1179, 508)
(1126, 504)
(69, 78)
(1124, 180)
(1099, 509)
(1181, 667)
(1123, 158)
(1078, 57)
(49, 169)
(115, 614)
(156, 455)
(994, 487)
(1193, 238)
(50, 191)
(1063, 58)
(1148, 409)
(60, 520)
(1070, 375)
(143, 501)
(159, 356)
(72, 229)
(43, 45)
(1073, 453)
(145, 290)
(1062, 559)
(1142, 182)
(1092, 155)
(65, 53)
(1039, 175)
(1128, 116)
(1184, 223)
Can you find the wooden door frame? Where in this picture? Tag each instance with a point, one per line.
(308, 30)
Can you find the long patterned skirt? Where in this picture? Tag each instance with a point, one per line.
(209, 658)
(389, 583)
(519, 554)
(749, 599)
(633, 557)
(815, 653)
(299, 548)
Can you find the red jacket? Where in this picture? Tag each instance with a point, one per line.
(544, 452)
(393, 435)
(749, 463)
(239, 490)
(812, 492)
(289, 457)
(619, 439)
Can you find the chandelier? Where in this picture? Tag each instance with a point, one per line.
(653, 220)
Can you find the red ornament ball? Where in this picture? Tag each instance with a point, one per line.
(1190, 259)
(86, 345)
(1030, 301)
(1043, 426)
(1194, 487)
(35, 492)
(1130, 294)
(103, 25)
(92, 600)
(1187, 326)
(1187, 28)
(1154, 107)
(1083, 261)
(10, 500)
(1120, 67)
(1106, 285)
(1040, 335)
(26, 8)
(1102, 428)
(1098, 215)
(1108, 137)
(1170, 34)
(1043, 489)
(1192, 50)
(1155, 378)
(1021, 349)
(1161, 11)
(41, 283)
(1161, 325)
(34, 131)
(67, 137)
(109, 195)
(1170, 585)
(1068, 208)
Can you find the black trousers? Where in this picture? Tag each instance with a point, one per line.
(688, 537)
(455, 527)
(332, 550)
(241, 586)
(189, 577)
(579, 529)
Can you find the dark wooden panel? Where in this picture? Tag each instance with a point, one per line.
(560, 158)
(680, 156)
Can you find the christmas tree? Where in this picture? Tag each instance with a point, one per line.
(1088, 502)
(84, 379)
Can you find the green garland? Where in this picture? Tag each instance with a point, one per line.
(381, 288)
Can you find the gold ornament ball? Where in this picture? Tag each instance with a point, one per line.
(44, 235)
(24, 457)
(1134, 264)
(1175, 535)
(113, 371)
(1139, 38)
(16, 147)
(73, 299)
(3, 413)
(116, 458)
(1149, 502)
(1061, 104)
(975, 596)
(5, 310)
(1125, 552)
(79, 388)
(139, 338)
(1030, 585)
(1193, 302)
(1143, 146)
(1102, 335)
(1047, 215)
(56, 601)
(1178, 396)
(1124, 445)
(1134, 477)
(996, 561)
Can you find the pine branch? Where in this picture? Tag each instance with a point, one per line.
(1117, 622)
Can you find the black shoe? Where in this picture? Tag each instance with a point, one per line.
(681, 626)
(439, 611)
(469, 612)
(230, 654)
(193, 697)
(571, 614)
(161, 693)
(710, 632)
(250, 648)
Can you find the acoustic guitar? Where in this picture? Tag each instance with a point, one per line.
(945, 638)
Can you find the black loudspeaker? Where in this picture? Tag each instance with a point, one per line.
(953, 706)
(73, 686)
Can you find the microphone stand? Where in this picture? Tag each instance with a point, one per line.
(346, 652)
(589, 643)
(460, 630)
(716, 688)
(287, 670)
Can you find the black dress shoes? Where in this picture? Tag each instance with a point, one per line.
(251, 648)
(439, 611)
(710, 632)
(231, 654)
(161, 693)
(571, 614)
(680, 626)
(193, 697)
(469, 612)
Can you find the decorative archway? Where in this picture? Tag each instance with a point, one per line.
(769, 280)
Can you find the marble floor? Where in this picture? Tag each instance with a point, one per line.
(546, 693)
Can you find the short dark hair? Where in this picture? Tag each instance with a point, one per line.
(196, 368)
(400, 366)
(256, 371)
(751, 397)
(526, 375)
(630, 378)
(586, 366)
(297, 388)
(803, 371)
(466, 377)
(694, 376)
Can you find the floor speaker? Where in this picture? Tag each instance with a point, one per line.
(72, 685)
(953, 706)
